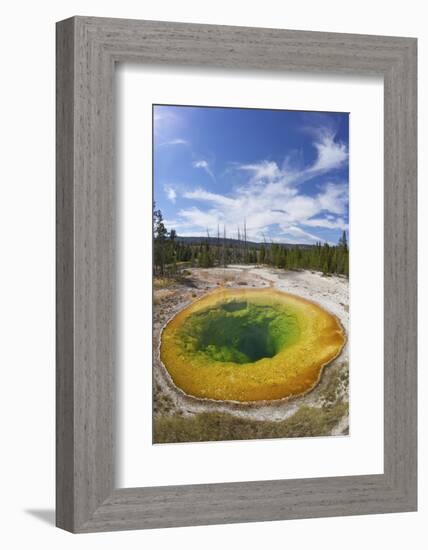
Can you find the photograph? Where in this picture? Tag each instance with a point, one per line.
(250, 273)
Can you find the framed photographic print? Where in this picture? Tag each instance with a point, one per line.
(236, 274)
(254, 333)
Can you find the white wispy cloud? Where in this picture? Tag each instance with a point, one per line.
(331, 154)
(168, 126)
(266, 208)
(164, 120)
(203, 220)
(328, 223)
(203, 195)
(299, 233)
(170, 193)
(205, 166)
(334, 198)
(265, 170)
(176, 141)
(271, 198)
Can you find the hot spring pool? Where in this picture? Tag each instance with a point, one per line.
(249, 345)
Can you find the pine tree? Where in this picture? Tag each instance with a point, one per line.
(343, 241)
(262, 254)
(160, 234)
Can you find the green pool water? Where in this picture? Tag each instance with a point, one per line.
(239, 331)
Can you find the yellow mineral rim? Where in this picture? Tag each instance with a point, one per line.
(250, 345)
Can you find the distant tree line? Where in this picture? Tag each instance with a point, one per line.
(170, 254)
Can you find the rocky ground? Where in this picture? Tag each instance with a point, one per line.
(323, 411)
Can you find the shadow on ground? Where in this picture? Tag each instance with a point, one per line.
(46, 515)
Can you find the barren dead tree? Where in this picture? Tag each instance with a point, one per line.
(224, 246)
(239, 246)
(218, 243)
(245, 241)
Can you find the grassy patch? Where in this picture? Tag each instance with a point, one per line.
(216, 426)
(162, 403)
(179, 278)
(163, 282)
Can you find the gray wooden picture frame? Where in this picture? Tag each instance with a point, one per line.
(87, 50)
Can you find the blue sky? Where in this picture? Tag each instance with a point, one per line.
(285, 173)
